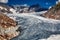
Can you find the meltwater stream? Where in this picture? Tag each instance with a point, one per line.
(34, 27)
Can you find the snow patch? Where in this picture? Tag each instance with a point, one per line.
(54, 37)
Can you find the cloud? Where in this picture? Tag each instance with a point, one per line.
(59, 0)
(4, 1)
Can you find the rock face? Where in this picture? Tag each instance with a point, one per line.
(28, 9)
(36, 8)
(8, 27)
(4, 8)
(6, 21)
(53, 13)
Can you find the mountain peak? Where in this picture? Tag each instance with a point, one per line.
(53, 13)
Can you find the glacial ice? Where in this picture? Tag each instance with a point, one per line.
(35, 27)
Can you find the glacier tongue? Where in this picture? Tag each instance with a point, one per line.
(35, 27)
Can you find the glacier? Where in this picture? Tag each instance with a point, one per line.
(33, 27)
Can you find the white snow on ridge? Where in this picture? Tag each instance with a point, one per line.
(34, 13)
(54, 37)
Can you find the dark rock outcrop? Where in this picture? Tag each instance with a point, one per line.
(4, 8)
(53, 13)
(8, 27)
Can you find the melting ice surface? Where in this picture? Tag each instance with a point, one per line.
(34, 27)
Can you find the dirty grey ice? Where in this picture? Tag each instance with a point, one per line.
(33, 27)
